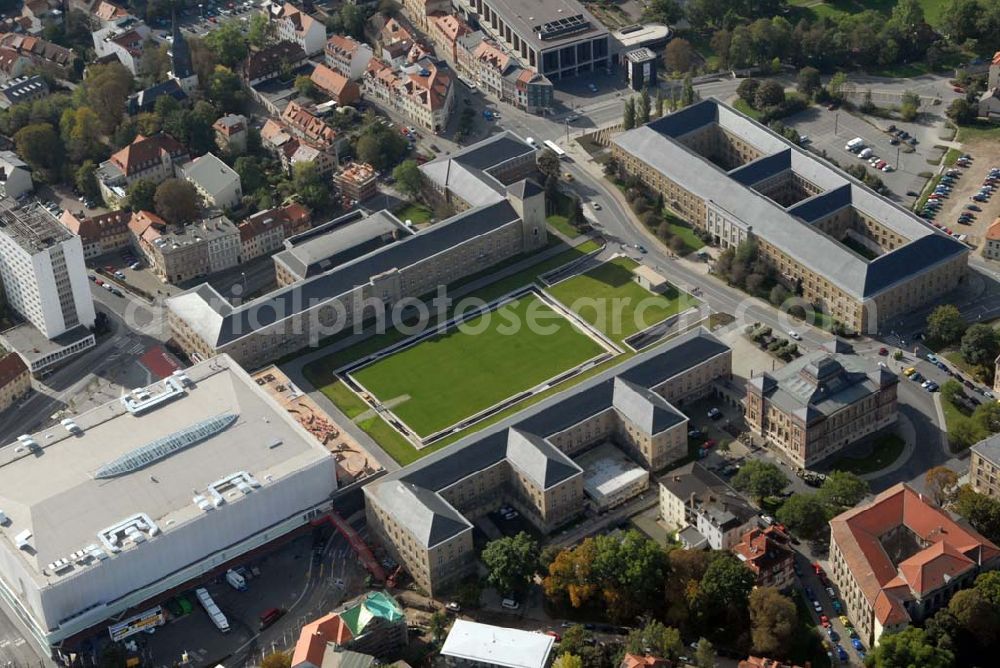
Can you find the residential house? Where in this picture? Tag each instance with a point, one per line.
(989, 105)
(99, 234)
(23, 89)
(703, 508)
(181, 79)
(357, 181)
(899, 559)
(15, 380)
(296, 26)
(265, 231)
(335, 85)
(422, 12)
(764, 662)
(216, 182)
(126, 41)
(231, 133)
(41, 13)
(38, 52)
(374, 625)
(767, 553)
(13, 64)
(177, 254)
(445, 31)
(15, 176)
(643, 661)
(262, 65)
(307, 125)
(347, 56)
(106, 14)
(991, 249)
(491, 62)
(423, 91)
(150, 158)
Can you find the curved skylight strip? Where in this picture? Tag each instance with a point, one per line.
(151, 452)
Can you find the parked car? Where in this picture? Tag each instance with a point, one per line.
(857, 644)
(795, 335)
(824, 620)
(714, 413)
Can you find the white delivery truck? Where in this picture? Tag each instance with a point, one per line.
(218, 618)
(236, 581)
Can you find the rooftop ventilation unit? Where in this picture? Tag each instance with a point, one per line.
(563, 27)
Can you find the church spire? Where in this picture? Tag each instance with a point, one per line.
(180, 52)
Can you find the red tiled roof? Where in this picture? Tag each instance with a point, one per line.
(93, 228)
(342, 44)
(993, 233)
(11, 367)
(334, 83)
(314, 637)
(146, 225)
(639, 661)
(159, 362)
(143, 151)
(996, 58)
(953, 549)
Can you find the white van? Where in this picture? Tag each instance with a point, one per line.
(531, 142)
(865, 154)
(854, 144)
(510, 604)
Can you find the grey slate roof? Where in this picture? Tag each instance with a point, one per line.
(762, 168)
(545, 464)
(989, 449)
(823, 382)
(426, 514)
(466, 173)
(339, 242)
(645, 408)
(657, 145)
(532, 426)
(197, 305)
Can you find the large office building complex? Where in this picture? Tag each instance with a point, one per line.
(821, 403)
(557, 38)
(503, 216)
(131, 499)
(423, 514)
(830, 238)
(44, 279)
(900, 558)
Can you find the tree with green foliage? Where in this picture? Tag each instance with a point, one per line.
(176, 201)
(40, 146)
(311, 188)
(961, 112)
(277, 660)
(842, 490)
(836, 85)
(980, 345)
(628, 116)
(808, 81)
(770, 93)
(656, 639)
(704, 654)
(352, 20)
(510, 562)
(642, 107)
(226, 90)
(727, 582)
(909, 647)
(261, 31)
(85, 179)
(945, 325)
(227, 43)
(408, 178)
(141, 194)
(567, 660)
(760, 478)
(909, 105)
(252, 177)
(437, 625)
(575, 639)
(747, 90)
(548, 162)
(678, 55)
(105, 90)
(81, 134)
(664, 11)
(305, 86)
(987, 417)
(981, 511)
(381, 147)
(774, 622)
(803, 514)
(688, 93)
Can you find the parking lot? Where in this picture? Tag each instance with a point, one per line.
(967, 182)
(825, 608)
(830, 130)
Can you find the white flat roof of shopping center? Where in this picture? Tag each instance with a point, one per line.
(497, 646)
(63, 488)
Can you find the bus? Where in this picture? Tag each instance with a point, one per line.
(552, 146)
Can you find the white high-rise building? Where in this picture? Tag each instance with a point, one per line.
(42, 271)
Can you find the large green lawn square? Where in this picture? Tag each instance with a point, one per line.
(446, 378)
(597, 295)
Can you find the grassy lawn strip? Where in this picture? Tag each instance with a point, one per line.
(951, 156)
(487, 359)
(608, 298)
(685, 232)
(742, 105)
(560, 224)
(415, 213)
(978, 131)
(887, 449)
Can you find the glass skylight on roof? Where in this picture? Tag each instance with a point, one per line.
(151, 452)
